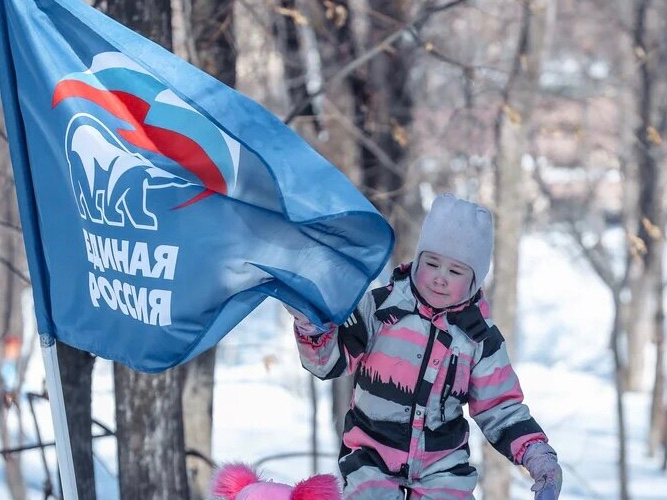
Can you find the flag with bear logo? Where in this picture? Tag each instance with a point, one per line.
(159, 206)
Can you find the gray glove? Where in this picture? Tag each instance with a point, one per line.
(541, 461)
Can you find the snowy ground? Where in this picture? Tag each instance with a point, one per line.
(262, 406)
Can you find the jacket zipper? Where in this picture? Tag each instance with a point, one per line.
(449, 381)
(405, 468)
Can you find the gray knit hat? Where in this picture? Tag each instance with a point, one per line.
(460, 230)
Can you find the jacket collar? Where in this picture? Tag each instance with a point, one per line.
(404, 299)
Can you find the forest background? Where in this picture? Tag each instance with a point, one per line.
(553, 113)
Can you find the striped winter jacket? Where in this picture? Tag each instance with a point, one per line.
(414, 370)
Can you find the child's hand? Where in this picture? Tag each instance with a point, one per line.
(297, 315)
(542, 463)
(302, 324)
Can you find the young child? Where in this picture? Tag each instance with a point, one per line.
(420, 348)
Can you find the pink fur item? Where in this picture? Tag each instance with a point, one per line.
(231, 479)
(238, 481)
(318, 487)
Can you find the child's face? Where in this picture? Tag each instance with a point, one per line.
(442, 281)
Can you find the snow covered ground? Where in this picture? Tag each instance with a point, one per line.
(262, 401)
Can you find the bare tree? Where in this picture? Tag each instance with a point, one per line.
(647, 270)
(512, 144)
(383, 113)
(12, 262)
(76, 376)
(149, 413)
(207, 41)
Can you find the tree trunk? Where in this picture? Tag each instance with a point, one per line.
(149, 423)
(644, 273)
(212, 25)
(151, 18)
(620, 411)
(652, 112)
(332, 27)
(291, 43)
(208, 43)
(657, 423)
(314, 434)
(198, 421)
(76, 375)
(623, 315)
(12, 258)
(511, 140)
(149, 412)
(338, 140)
(383, 112)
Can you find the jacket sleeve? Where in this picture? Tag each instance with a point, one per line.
(339, 350)
(496, 400)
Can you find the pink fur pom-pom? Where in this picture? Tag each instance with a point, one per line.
(319, 487)
(231, 479)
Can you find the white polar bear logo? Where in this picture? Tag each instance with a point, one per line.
(109, 182)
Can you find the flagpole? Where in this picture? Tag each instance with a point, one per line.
(58, 416)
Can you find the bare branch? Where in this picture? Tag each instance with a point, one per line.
(11, 225)
(369, 144)
(596, 256)
(25, 278)
(411, 27)
(439, 8)
(431, 9)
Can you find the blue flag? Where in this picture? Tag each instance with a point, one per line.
(159, 206)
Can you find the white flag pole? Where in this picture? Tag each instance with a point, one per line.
(57, 403)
